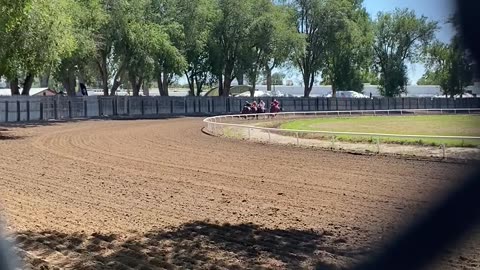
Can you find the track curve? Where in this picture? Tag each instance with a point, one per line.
(126, 177)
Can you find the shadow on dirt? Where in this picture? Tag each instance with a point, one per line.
(7, 130)
(6, 136)
(190, 246)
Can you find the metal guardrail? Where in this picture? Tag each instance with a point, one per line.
(215, 125)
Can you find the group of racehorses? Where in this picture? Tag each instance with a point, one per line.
(254, 108)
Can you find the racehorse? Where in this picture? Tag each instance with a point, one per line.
(275, 109)
(248, 110)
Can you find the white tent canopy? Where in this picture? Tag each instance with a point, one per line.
(259, 93)
(348, 94)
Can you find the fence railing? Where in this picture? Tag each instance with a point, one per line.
(239, 125)
(17, 109)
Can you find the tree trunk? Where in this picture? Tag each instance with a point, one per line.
(162, 82)
(199, 84)
(132, 84)
(105, 86)
(191, 84)
(69, 82)
(308, 82)
(136, 85)
(253, 76)
(115, 86)
(252, 90)
(27, 85)
(104, 75)
(14, 87)
(228, 77)
(166, 82)
(334, 90)
(269, 79)
(220, 85)
(227, 84)
(139, 84)
(135, 89)
(117, 80)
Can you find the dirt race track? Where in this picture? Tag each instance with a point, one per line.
(161, 194)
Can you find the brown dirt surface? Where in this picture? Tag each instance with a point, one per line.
(160, 194)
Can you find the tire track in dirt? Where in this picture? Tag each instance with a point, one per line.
(70, 138)
(131, 176)
(132, 159)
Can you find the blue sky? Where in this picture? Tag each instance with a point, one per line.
(438, 10)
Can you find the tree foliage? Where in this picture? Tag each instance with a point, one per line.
(89, 16)
(230, 40)
(449, 65)
(429, 78)
(400, 38)
(310, 16)
(36, 36)
(131, 44)
(197, 18)
(348, 44)
(272, 39)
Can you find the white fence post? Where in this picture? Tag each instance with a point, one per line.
(298, 140)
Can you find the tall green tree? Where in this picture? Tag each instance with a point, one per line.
(87, 17)
(108, 44)
(36, 35)
(310, 17)
(197, 18)
(308, 59)
(284, 43)
(400, 38)
(169, 60)
(229, 40)
(450, 66)
(261, 31)
(348, 44)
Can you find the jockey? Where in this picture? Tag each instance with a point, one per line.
(261, 106)
(276, 103)
(246, 108)
(254, 106)
(275, 106)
